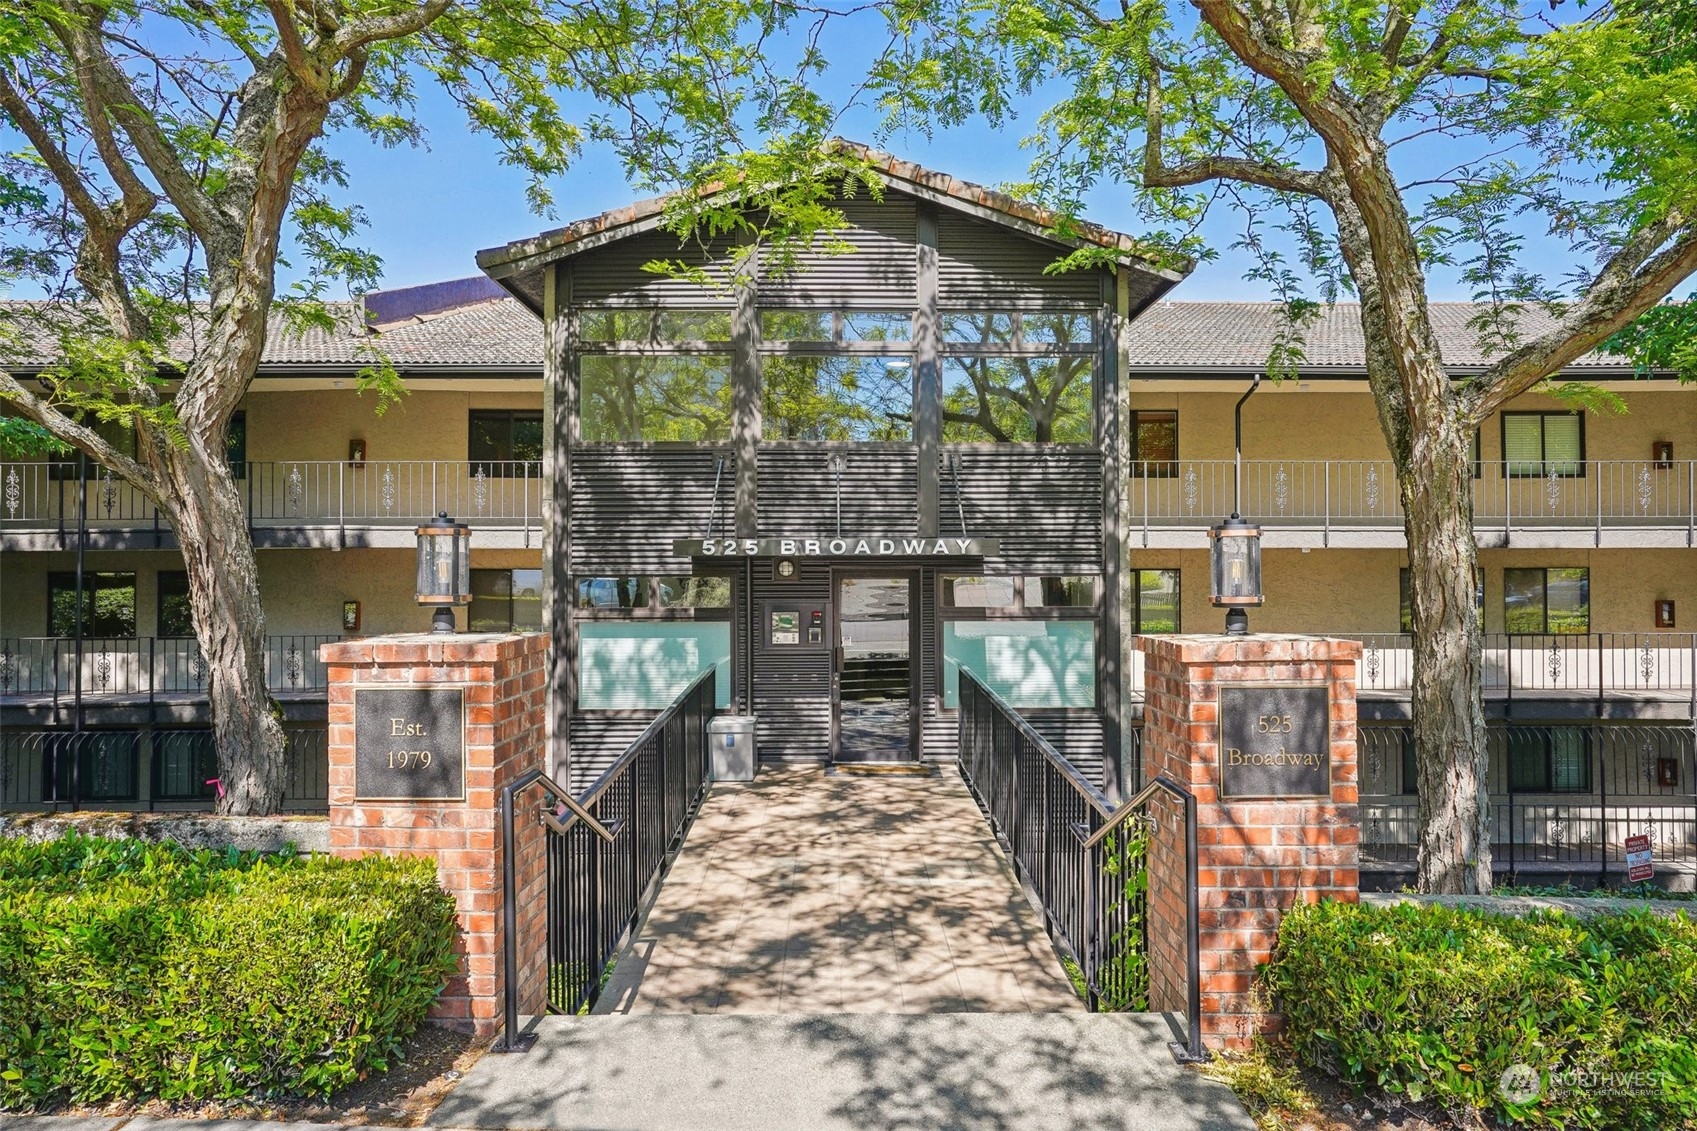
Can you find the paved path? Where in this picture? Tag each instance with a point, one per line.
(847, 1072)
(810, 892)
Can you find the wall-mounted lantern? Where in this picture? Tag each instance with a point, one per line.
(444, 569)
(1234, 546)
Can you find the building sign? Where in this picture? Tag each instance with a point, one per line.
(1639, 866)
(409, 743)
(1275, 740)
(852, 546)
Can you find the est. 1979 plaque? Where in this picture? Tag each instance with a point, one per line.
(409, 743)
(1275, 740)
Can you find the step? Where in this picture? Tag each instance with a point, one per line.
(1030, 1072)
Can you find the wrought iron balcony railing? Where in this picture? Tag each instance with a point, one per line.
(45, 667)
(290, 494)
(1341, 495)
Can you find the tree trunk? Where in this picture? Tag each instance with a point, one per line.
(1449, 717)
(205, 511)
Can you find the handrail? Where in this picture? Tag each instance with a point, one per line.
(1006, 797)
(599, 786)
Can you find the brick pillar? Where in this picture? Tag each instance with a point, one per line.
(1258, 853)
(504, 684)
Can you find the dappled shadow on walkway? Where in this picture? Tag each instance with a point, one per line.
(816, 893)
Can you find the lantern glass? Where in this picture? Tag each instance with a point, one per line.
(444, 563)
(1236, 564)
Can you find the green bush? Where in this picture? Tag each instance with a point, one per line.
(132, 970)
(1438, 1003)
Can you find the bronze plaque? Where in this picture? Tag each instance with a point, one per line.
(1275, 740)
(409, 743)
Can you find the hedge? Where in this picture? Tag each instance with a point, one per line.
(1439, 1003)
(133, 970)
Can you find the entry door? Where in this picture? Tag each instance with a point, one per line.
(872, 677)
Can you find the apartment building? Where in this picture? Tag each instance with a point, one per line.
(841, 485)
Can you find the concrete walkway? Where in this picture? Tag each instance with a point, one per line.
(847, 1072)
(810, 892)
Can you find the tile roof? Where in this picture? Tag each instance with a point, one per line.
(1178, 336)
(1240, 335)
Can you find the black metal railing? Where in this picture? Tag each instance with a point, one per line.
(1085, 859)
(1565, 794)
(141, 768)
(606, 848)
(144, 666)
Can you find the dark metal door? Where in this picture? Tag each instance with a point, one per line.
(872, 674)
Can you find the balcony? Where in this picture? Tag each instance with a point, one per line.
(1355, 503)
(43, 670)
(320, 503)
(1630, 674)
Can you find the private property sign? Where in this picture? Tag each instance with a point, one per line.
(1638, 863)
(842, 546)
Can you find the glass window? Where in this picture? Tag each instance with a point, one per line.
(1547, 600)
(643, 665)
(501, 442)
(109, 604)
(673, 397)
(654, 325)
(1029, 663)
(877, 326)
(1012, 400)
(1061, 592)
(980, 329)
(174, 615)
(837, 397)
(184, 764)
(1156, 600)
(680, 592)
(979, 592)
(1406, 617)
(235, 445)
(1549, 760)
(797, 326)
(1540, 444)
(1069, 330)
(1154, 445)
(1410, 769)
(505, 600)
(612, 593)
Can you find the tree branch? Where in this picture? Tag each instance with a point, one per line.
(78, 434)
(1635, 279)
(396, 26)
(1158, 174)
(294, 49)
(64, 171)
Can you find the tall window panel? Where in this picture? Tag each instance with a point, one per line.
(1011, 377)
(1155, 600)
(672, 397)
(505, 442)
(108, 605)
(643, 640)
(1154, 444)
(1551, 600)
(1541, 444)
(1032, 640)
(505, 600)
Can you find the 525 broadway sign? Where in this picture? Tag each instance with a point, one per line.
(1275, 740)
(852, 546)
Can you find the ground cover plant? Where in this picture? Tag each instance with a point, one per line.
(1543, 1021)
(136, 970)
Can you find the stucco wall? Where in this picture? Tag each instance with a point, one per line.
(317, 425)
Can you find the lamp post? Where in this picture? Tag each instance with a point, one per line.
(1234, 546)
(444, 569)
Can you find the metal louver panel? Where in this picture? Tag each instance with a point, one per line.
(614, 275)
(629, 504)
(980, 264)
(879, 274)
(1044, 504)
(792, 686)
(798, 491)
(598, 738)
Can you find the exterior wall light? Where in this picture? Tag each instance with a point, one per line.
(1234, 546)
(444, 569)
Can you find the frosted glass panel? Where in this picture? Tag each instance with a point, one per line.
(644, 665)
(1028, 663)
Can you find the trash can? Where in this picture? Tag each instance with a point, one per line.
(731, 738)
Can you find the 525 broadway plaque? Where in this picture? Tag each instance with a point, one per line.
(409, 743)
(1275, 740)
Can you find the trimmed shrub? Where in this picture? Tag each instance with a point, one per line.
(132, 970)
(1439, 1003)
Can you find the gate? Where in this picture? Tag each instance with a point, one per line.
(1085, 859)
(606, 849)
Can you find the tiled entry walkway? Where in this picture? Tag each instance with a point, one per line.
(808, 892)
